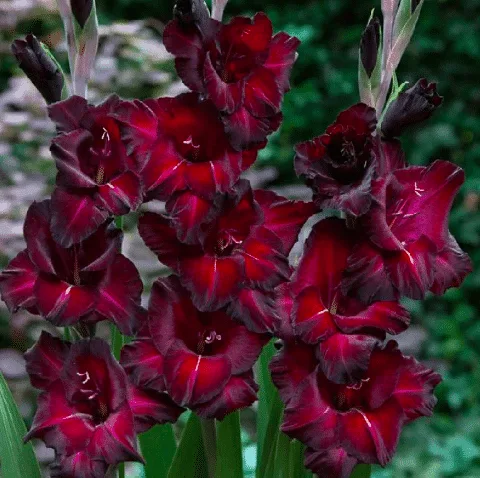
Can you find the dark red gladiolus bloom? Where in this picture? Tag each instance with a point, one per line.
(244, 246)
(361, 421)
(89, 281)
(345, 329)
(88, 411)
(411, 107)
(180, 144)
(339, 165)
(96, 179)
(206, 358)
(410, 250)
(240, 67)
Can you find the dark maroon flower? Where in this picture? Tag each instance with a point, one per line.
(411, 107)
(239, 66)
(40, 69)
(89, 281)
(340, 164)
(88, 411)
(81, 10)
(410, 250)
(369, 44)
(244, 246)
(180, 144)
(332, 463)
(206, 358)
(96, 179)
(345, 329)
(361, 421)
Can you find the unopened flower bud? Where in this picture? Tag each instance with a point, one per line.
(39, 67)
(369, 45)
(81, 10)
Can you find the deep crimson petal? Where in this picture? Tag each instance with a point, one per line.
(333, 463)
(45, 359)
(361, 116)
(451, 267)
(17, 283)
(389, 316)
(372, 437)
(239, 392)
(245, 128)
(265, 264)
(290, 367)
(68, 114)
(324, 259)
(312, 321)
(255, 309)
(150, 408)
(189, 71)
(282, 56)
(61, 303)
(188, 214)
(143, 364)
(121, 195)
(283, 217)
(193, 379)
(79, 465)
(344, 358)
(66, 149)
(390, 156)
(227, 97)
(307, 413)
(262, 93)
(212, 280)
(161, 239)
(74, 216)
(119, 295)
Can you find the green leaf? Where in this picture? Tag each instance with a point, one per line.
(117, 341)
(189, 459)
(265, 395)
(362, 471)
(18, 459)
(295, 465)
(229, 448)
(281, 457)
(158, 447)
(403, 14)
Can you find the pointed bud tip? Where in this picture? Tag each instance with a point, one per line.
(369, 45)
(81, 10)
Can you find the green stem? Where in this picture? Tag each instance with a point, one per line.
(362, 471)
(117, 340)
(121, 470)
(210, 443)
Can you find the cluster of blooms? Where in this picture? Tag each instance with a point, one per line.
(346, 393)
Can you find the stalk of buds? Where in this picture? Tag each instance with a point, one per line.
(346, 393)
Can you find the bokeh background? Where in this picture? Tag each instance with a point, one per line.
(132, 62)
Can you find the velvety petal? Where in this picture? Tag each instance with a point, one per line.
(79, 465)
(361, 116)
(188, 214)
(333, 463)
(143, 364)
(61, 303)
(121, 195)
(68, 114)
(74, 216)
(281, 57)
(262, 93)
(324, 259)
(119, 295)
(212, 280)
(67, 150)
(227, 97)
(161, 239)
(390, 156)
(310, 419)
(451, 267)
(372, 437)
(283, 217)
(255, 309)
(344, 358)
(189, 70)
(284, 302)
(17, 283)
(150, 408)
(265, 264)
(244, 128)
(312, 321)
(239, 392)
(44, 361)
(192, 379)
(389, 316)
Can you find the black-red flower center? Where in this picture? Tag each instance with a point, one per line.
(90, 398)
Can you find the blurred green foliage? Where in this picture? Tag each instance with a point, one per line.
(446, 49)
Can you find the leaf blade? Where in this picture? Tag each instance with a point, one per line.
(229, 447)
(158, 447)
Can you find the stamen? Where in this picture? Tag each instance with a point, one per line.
(100, 175)
(334, 306)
